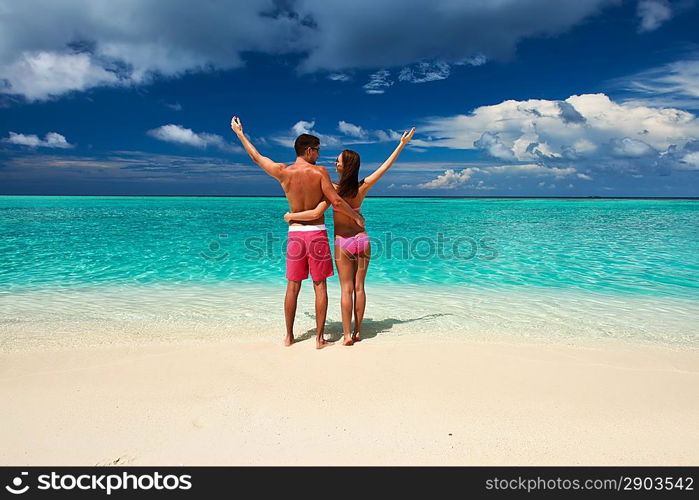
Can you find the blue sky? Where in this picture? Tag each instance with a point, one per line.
(510, 98)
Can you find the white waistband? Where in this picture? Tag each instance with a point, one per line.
(320, 227)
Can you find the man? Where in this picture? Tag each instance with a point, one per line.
(305, 185)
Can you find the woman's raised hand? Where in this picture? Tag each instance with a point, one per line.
(236, 126)
(407, 135)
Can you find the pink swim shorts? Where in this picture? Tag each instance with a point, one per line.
(307, 249)
(353, 244)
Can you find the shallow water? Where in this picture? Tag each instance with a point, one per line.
(533, 267)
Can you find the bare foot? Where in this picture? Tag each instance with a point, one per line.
(288, 341)
(323, 343)
(356, 337)
(347, 340)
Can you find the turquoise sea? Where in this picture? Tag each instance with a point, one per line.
(531, 264)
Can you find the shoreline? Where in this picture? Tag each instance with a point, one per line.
(19, 339)
(69, 318)
(409, 400)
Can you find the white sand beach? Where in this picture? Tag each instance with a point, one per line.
(387, 400)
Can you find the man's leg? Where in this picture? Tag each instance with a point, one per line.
(321, 267)
(321, 290)
(292, 295)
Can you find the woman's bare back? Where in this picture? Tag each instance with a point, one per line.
(344, 226)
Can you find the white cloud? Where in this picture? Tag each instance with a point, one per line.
(339, 77)
(450, 179)
(350, 134)
(51, 140)
(531, 169)
(673, 84)
(387, 135)
(176, 106)
(653, 14)
(356, 134)
(425, 72)
(38, 75)
(631, 148)
(681, 157)
(495, 148)
(588, 129)
(179, 135)
(482, 185)
(351, 129)
(378, 82)
(474, 60)
(306, 127)
(303, 127)
(691, 160)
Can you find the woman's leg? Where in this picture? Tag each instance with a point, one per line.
(346, 268)
(359, 294)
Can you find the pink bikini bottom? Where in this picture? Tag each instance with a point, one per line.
(353, 244)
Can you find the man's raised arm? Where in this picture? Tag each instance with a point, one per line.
(336, 200)
(271, 167)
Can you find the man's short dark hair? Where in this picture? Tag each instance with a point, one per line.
(305, 141)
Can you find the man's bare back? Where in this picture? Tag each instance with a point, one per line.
(302, 183)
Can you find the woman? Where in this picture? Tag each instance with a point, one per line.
(352, 247)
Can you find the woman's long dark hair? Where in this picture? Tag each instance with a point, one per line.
(349, 181)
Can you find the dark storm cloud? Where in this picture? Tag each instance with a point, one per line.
(50, 48)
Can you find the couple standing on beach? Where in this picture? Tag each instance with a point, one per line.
(310, 192)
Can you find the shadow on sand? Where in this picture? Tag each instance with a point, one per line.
(370, 327)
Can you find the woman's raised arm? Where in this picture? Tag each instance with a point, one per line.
(373, 178)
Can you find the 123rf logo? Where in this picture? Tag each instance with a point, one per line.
(106, 483)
